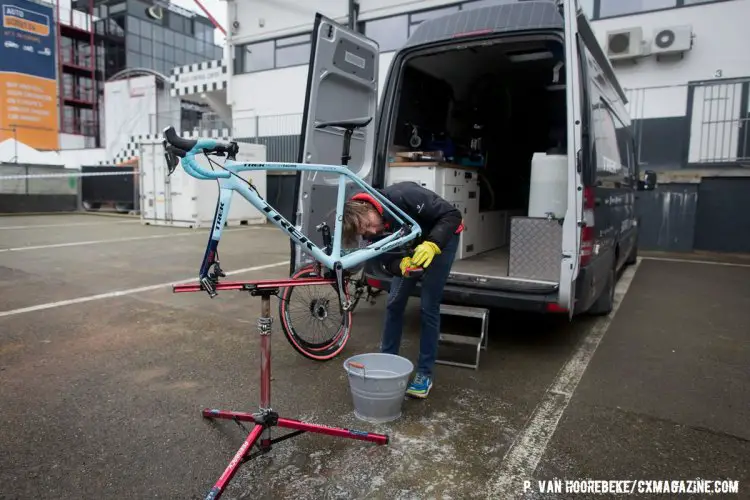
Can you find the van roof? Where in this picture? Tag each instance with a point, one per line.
(507, 17)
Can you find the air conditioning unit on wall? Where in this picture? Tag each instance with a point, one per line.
(625, 43)
(672, 40)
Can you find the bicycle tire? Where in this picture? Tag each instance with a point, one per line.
(328, 348)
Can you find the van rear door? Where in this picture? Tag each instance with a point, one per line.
(342, 84)
(571, 241)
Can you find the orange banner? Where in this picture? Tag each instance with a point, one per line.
(26, 25)
(28, 105)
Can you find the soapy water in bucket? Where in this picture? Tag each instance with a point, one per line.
(377, 383)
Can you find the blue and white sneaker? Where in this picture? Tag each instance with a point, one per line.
(420, 386)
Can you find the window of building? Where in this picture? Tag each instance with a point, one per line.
(147, 30)
(158, 50)
(133, 42)
(134, 25)
(257, 56)
(588, 7)
(117, 8)
(176, 22)
(609, 8)
(391, 32)
(293, 55)
(146, 46)
(134, 59)
(190, 44)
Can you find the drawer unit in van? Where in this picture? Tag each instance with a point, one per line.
(453, 184)
(459, 176)
(535, 248)
(425, 176)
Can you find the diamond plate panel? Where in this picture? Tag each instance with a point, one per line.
(535, 248)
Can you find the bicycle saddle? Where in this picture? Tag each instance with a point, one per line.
(347, 124)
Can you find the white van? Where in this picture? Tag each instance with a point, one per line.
(513, 113)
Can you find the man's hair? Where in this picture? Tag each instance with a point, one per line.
(355, 212)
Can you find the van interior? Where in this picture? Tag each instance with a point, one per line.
(480, 112)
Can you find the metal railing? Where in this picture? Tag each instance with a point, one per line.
(719, 125)
(717, 118)
(279, 133)
(76, 19)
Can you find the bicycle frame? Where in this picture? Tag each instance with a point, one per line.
(230, 181)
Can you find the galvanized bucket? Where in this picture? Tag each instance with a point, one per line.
(378, 384)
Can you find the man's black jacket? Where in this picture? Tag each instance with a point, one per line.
(438, 219)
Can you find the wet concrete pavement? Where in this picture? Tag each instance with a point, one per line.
(667, 395)
(101, 398)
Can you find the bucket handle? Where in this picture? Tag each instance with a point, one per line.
(355, 364)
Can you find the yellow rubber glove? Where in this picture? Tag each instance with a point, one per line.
(424, 253)
(405, 263)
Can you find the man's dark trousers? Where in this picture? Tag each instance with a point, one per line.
(433, 282)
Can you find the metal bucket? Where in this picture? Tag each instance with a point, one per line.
(378, 384)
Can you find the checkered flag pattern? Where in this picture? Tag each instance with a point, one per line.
(181, 83)
(131, 149)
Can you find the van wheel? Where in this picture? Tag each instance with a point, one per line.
(606, 301)
(633, 257)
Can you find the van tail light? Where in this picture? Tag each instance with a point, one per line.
(377, 284)
(587, 231)
(472, 33)
(554, 307)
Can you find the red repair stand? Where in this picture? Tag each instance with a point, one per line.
(266, 418)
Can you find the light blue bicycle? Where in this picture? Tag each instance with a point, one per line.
(331, 257)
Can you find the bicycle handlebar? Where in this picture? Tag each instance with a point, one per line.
(187, 148)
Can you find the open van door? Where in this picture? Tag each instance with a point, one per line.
(342, 84)
(571, 240)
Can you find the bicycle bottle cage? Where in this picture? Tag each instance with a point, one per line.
(179, 150)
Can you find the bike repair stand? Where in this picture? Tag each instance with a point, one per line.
(266, 418)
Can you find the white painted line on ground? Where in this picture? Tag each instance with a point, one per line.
(130, 291)
(524, 454)
(696, 261)
(115, 240)
(41, 226)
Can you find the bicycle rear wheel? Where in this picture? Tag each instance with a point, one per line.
(311, 318)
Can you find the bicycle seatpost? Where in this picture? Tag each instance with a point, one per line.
(345, 153)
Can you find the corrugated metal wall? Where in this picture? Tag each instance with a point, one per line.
(667, 217)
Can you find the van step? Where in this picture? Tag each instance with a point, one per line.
(463, 334)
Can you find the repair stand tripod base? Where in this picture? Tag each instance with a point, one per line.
(265, 419)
